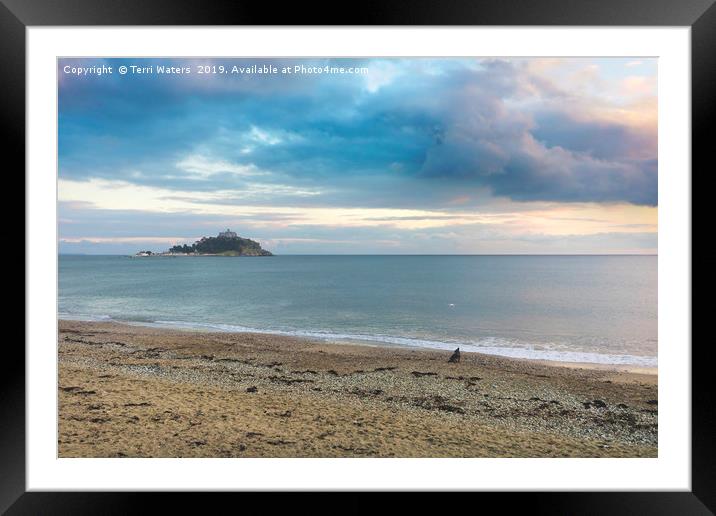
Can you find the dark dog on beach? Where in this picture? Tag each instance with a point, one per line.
(455, 356)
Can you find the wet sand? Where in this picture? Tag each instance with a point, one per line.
(132, 391)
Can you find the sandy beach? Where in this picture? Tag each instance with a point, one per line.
(133, 391)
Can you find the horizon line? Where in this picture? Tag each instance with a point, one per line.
(398, 254)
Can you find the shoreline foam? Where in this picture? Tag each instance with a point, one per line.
(559, 357)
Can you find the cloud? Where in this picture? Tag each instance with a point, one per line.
(264, 137)
(547, 155)
(526, 130)
(122, 240)
(204, 168)
(126, 210)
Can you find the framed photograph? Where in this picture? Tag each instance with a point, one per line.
(440, 249)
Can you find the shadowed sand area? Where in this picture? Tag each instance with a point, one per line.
(132, 391)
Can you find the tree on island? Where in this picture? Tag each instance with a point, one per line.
(186, 249)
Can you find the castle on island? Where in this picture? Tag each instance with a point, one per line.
(228, 234)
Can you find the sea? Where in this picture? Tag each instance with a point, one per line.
(593, 309)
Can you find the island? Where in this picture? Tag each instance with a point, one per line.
(226, 243)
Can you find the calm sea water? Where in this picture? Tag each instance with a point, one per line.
(600, 309)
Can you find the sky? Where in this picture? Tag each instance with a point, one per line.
(387, 156)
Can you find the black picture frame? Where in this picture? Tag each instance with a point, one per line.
(700, 15)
